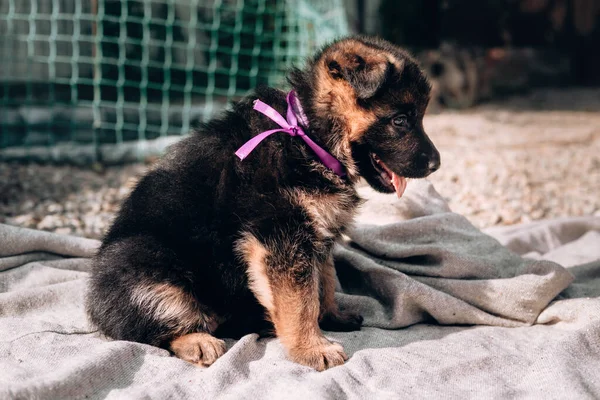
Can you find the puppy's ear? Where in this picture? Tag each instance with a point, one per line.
(366, 73)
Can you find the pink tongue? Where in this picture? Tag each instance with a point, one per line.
(399, 183)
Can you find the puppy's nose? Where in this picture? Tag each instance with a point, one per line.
(434, 164)
(433, 161)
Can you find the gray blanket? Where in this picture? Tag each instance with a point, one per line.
(449, 312)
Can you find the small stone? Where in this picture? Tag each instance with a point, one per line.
(54, 208)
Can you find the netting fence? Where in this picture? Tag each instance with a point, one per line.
(117, 80)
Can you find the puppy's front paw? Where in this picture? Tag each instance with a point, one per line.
(341, 321)
(321, 356)
(200, 348)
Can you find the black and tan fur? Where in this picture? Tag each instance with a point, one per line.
(207, 244)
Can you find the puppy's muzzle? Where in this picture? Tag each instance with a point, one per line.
(428, 159)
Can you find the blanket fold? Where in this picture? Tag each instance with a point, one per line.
(439, 266)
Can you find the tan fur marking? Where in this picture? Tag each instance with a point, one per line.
(399, 64)
(173, 306)
(297, 327)
(254, 254)
(297, 313)
(338, 98)
(328, 211)
(351, 169)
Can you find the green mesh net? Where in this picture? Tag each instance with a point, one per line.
(116, 80)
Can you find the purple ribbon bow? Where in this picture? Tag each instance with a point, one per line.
(290, 126)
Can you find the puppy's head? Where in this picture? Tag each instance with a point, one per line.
(366, 99)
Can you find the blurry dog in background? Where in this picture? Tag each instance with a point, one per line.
(207, 241)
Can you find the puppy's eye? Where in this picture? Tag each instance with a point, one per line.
(400, 120)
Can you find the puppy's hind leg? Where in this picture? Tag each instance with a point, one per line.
(199, 348)
(136, 294)
(189, 324)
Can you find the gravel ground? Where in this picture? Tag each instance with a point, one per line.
(513, 161)
(523, 159)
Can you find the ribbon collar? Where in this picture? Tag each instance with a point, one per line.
(295, 114)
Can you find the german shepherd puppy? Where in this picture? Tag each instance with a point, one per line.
(207, 241)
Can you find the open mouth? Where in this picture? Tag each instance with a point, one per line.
(387, 177)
